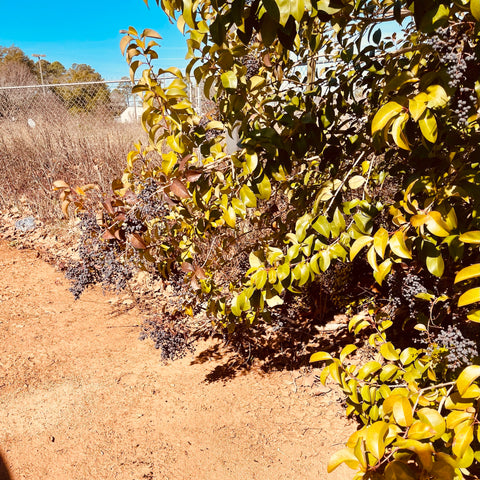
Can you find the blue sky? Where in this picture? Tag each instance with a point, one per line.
(86, 32)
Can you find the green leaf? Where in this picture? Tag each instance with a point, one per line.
(468, 273)
(358, 244)
(467, 377)
(471, 237)
(229, 79)
(469, 297)
(428, 126)
(384, 115)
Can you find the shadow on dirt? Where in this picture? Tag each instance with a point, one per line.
(4, 472)
(287, 347)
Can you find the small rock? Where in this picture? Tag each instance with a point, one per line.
(25, 224)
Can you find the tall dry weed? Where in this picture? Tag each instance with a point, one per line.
(77, 149)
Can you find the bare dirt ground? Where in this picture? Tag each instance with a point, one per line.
(82, 398)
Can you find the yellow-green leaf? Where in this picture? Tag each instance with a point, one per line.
(467, 273)
(428, 126)
(388, 351)
(347, 350)
(437, 96)
(475, 9)
(435, 265)
(432, 418)
(384, 115)
(403, 412)
(462, 440)
(380, 241)
(420, 431)
(398, 131)
(471, 237)
(230, 217)
(358, 244)
(469, 297)
(248, 197)
(467, 377)
(417, 106)
(356, 181)
(345, 455)
(264, 188)
(398, 246)
(320, 357)
(397, 470)
(229, 79)
(368, 369)
(436, 225)
(375, 438)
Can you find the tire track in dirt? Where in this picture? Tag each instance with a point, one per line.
(80, 399)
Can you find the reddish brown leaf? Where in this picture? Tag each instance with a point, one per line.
(107, 205)
(130, 198)
(193, 175)
(119, 235)
(183, 162)
(108, 235)
(179, 189)
(137, 241)
(266, 60)
(200, 273)
(187, 267)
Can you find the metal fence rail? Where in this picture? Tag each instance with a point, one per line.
(111, 99)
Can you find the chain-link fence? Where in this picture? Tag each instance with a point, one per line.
(111, 99)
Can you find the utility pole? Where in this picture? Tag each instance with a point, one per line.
(40, 66)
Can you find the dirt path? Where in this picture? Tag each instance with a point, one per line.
(82, 398)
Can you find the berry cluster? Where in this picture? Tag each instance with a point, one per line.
(169, 336)
(252, 65)
(458, 350)
(211, 133)
(99, 260)
(457, 54)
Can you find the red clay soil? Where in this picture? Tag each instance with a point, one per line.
(82, 398)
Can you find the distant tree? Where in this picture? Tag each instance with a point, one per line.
(83, 98)
(13, 54)
(52, 72)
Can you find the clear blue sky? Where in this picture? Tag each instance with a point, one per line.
(87, 32)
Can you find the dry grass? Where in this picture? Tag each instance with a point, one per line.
(76, 149)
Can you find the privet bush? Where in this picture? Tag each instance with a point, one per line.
(352, 144)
